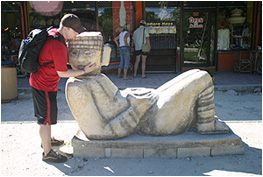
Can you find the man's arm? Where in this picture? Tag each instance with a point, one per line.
(73, 73)
(148, 42)
(132, 46)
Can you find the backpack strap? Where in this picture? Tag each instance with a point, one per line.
(143, 35)
(55, 37)
(47, 63)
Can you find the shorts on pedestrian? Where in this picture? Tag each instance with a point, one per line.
(45, 106)
(140, 52)
(124, 57)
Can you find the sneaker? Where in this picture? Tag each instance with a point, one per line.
(54, 156)
(55, 142)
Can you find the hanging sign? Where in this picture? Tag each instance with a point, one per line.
(196, 22)
(161, 27)
(165, 23)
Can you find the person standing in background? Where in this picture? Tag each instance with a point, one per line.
(124, 49)
(140, 35)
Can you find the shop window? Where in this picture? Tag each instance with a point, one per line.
(85, 10)
(199, 4)
(10, 30)
(235, 25)
(39, 21)
(112, 16)
(199, 37)
(105, 20)
(39, 18)
(163, 22)
(162, 11)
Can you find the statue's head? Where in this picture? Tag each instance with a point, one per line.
(88, 48)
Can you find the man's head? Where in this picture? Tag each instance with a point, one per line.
(70, 26)
(142, 22)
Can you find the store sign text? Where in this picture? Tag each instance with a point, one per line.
(160, 24)
(196, 22)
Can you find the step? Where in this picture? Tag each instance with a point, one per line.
(189, 144)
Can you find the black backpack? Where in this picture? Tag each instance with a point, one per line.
(30, 49)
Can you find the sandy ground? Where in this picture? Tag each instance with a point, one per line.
(21, 152)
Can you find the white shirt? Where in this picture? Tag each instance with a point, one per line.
(138, 37)
(121, 39)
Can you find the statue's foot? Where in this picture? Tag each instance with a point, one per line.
(214, 127)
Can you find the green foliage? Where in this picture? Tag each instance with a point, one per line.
(106, 24)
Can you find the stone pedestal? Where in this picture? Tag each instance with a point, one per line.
(189, 144)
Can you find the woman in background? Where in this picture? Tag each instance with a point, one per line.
(124, 49)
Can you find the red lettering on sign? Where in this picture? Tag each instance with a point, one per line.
(198, 20)
(196, 26)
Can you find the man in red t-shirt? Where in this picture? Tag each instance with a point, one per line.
(44, 82)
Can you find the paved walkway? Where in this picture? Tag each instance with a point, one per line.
(21, 156)
(20, 142)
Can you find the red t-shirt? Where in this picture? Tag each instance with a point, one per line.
(46, 78)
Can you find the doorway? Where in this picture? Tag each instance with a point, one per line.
(198, 38)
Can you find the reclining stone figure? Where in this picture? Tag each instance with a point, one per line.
(105, 112)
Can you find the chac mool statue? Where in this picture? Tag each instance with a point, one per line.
(105, 112)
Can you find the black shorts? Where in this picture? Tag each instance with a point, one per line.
(45, 106)
(140, 52)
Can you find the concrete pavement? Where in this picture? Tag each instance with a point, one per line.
(20, 143)
(21, 156)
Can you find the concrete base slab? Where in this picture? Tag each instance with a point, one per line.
(189, 144)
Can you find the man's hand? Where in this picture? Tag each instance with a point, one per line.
(89, 68)
(74, 73)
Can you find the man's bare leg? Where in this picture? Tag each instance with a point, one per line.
(45, 135)
(136, 65)
(143, 65)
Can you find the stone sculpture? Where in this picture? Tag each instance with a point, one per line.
(105, 112)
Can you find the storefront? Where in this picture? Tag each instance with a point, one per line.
(183, 35)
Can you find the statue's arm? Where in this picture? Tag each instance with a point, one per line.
(122, 125)
(125, 122)
(102, 111)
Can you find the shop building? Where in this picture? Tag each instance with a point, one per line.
(184, 34)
